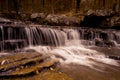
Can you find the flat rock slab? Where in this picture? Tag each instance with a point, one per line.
(23, 64)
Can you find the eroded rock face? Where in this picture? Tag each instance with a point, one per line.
(115, 21)
(62, 19)
(37, 15)
(100, 12)
(101, 19)
(92, 21)
(53, 19)
(21, 64)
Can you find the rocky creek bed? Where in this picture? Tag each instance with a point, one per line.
(37, 66)
(103, 71)
(29, 66)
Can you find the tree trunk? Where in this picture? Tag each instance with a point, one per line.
(78, 5)
(15, 2)
(52, 6)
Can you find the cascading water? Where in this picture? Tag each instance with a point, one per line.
(66, 45)
(2, 38)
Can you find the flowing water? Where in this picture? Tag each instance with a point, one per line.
(67, 45)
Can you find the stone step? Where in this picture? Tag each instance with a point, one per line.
(16, 64)
(14, 57)
(24, 65)
(31, 69)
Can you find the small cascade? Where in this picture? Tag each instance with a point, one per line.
(2, 38)
(68, 45)
(12, 38)
(99, 37)
(44, 36)
(20, 37)
(81, 55)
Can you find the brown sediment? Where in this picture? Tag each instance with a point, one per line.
(79, 72)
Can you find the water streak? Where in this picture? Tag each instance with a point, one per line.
(66, 45)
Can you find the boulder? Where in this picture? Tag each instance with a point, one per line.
(115, 21)
(100, 12)
(62, 20)
(37, 15)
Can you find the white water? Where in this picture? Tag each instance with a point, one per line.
(76, 55)
(73, 51)
(2, 44)
(67, 45)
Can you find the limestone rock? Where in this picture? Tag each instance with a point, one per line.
(62, 20)
(37, 15)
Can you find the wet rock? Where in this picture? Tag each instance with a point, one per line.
(34, 68)
(21, 64)
(115, 21)
(12, 44)
(99, 42)
(30, 50)
(18, 24)
(104, 43)
(4, 54)
(109, 44)
(4, 62)
(51, 75)
(114, 57)
(18, 51)
(5, 21)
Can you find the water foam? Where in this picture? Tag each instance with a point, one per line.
(69, 48)
(82, 55)
(66, 45)
(76, 55)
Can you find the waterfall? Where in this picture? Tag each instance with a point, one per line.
(2, 38)
(34, 36)
(68, 45)
(44, 36)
